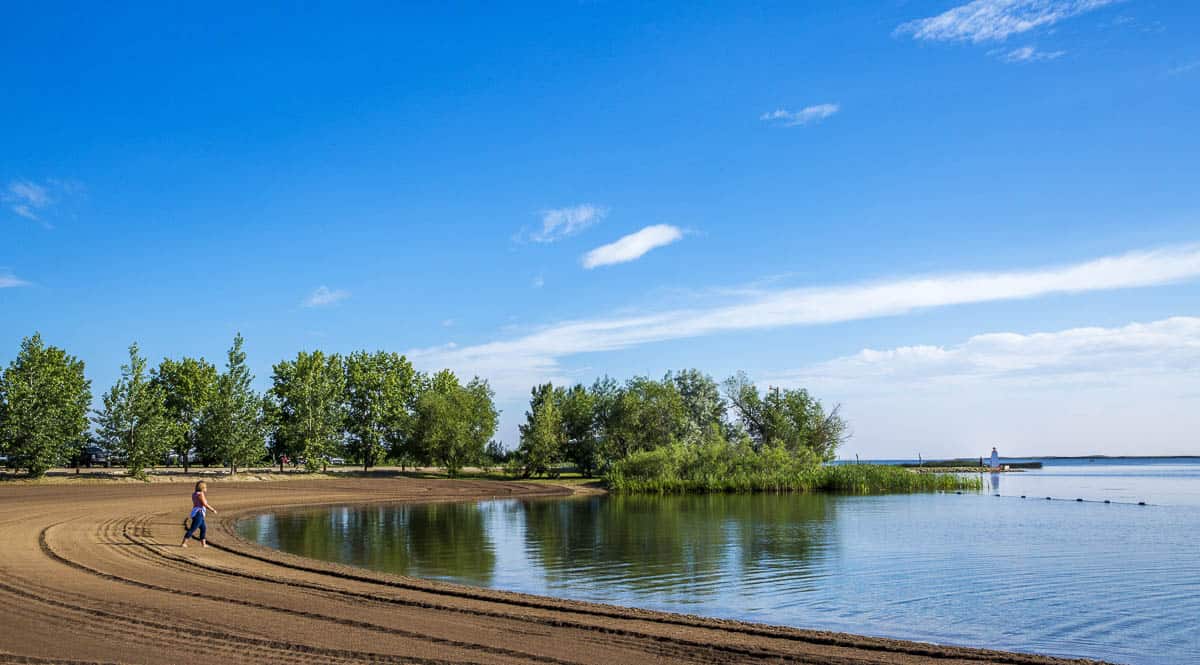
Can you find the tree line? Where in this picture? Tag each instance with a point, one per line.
(596, 427)
(369, 406)
(375, 406)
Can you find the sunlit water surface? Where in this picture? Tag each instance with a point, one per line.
(1115, 581)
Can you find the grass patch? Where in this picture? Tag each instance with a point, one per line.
(721, 467)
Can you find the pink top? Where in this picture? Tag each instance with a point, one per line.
(197, 500)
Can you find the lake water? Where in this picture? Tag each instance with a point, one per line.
(1116, 581)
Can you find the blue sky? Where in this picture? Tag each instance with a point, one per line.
(970, 224)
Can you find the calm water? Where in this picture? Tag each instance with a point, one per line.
(1115, 581)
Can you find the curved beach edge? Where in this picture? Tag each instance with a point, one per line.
(94, 573)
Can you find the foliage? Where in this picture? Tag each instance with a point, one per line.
(309, 393)
(577, 406)
(188, 387)
(231, 428)
(542, 435)
(718, 466)
(495, 453)
(380, 390)
(44, 400)
(702, 401)
(453, 423)
(134, 421)
(790, 418)
(644, 415)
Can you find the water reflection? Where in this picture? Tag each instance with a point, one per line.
(451, 541)
(1114, 581)
(662, 544)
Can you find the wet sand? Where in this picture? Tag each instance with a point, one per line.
(92, 572)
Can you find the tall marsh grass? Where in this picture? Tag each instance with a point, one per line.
(724, 467)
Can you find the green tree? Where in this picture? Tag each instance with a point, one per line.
(702, 401)
(791, 418)
(310, 394)
(644, 415)
(381, 390)
(578, 408)
(542, 435)
(44, 400)
(188, 386)
(134, 419)
(232, 427)
(453, 422)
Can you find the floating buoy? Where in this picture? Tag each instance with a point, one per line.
(1022, 496)
(1141, 503)
(1107, 501)
(1079, 499)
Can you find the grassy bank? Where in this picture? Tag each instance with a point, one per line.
(725, 468)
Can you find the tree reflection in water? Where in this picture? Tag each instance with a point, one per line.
(439, 540)
(687, 546)
(683, 548)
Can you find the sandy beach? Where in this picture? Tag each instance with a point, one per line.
(92, 572)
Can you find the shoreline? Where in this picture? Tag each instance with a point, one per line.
(100, 561)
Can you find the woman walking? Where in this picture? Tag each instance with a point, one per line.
(200, 505)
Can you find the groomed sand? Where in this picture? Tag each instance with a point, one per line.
(92, 572)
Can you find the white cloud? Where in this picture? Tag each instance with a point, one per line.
(804, 116)
(27, 199)
(559, 223)
(1131, 389)
(9, 280)
(996, 20)
(323, 296)
(1077, 356)
(633, 246)
(1026, 54)
(516, 363)
(539, 281)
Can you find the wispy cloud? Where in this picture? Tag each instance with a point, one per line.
(633, 246)
(1026, 54)
(27, 199)
(1076, 356)
(538, 282)
(324, 296)
(9, 280)
(996, 20)
(515, 363)
(559, 223)
(804, 116)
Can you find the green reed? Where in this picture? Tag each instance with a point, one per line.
(721, 467)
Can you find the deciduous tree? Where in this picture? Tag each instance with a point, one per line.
(542, 434)
(578, 410)
(44, 400)
(134, 421)
(791, 418)
(232, 427)
(381, 390)
(310, 394)
(188, 386)
(453, 422)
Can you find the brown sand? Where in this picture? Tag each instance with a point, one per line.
(94, 573)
